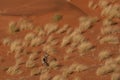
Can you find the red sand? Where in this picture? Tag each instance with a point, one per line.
(40, 13)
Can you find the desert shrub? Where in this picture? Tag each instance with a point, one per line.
(85, 46)
(35, 71)
(13, 70)
(50, 28)
(63, 29)
(6, 41)
(104, 70)
(29, 36)
(109, 39)
(104, 54)
(57, 17)
(13, 27)
(115, 76)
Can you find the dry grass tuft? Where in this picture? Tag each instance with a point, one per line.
(7, 41)
(30, 63)
(63, 29)
(103, 3)
(117, 60)
(33, 56)
(49, 49)
(18, 55)
(20, 61)
(104, 55)
(85, 46)
(59, 77)
(66, 40)
(13, 27)
(35, 71)
(14, 70)
(70, 50)
(112, 11)
(110, 61)
(50, 38)
(110, 30)
(108, 22)
(45, 76)
(86, 23)
(81, 67)
(16, 46)
(105, 70)
(37, 41)
(69, 30)
(77, 78)
(51, 27)
(92, 5)
(115, 76)
(25, 24)
(75, 68)
(77, 39)
(29, 36)
(41, 32)
(109, 39)
(53, 64)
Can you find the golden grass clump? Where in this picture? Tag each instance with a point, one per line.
(77, 39)
(110, 30)
(84, 47)
(13, 27)
(16, 46)
(14, 70)
(37, 41)
(63, 29)
(20, 61)
(81, 67)
(35, 71)
(25, 24)
(105, 70)
(92, 5)
(75, 68)
(104, 55)
(109, 39)
(70, 50)
(49, 49)
(53, 64)
(59, 77)
(30, 63)
(45, 76)
(77, 78)
(115, 76)
(117, 60)
(69, 30)
(29, 36)
(6, 41)
(111, 11)
(110, 61)
(86, 23)
(108, 22)
(50, 28)
(41, 32)
(103, 3)
(33, 56)
(66, 40)
(18, 55)
(52, 40)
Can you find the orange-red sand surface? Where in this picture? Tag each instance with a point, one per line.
(59, 40)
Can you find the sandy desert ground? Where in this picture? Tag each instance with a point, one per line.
(60, 40)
